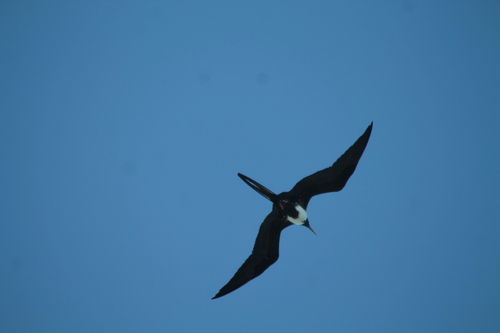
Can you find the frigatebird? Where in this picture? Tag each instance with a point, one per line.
(290, 208)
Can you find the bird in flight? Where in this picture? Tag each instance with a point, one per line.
(290, 208)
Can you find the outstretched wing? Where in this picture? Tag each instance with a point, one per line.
(265, 253)
(334, 178)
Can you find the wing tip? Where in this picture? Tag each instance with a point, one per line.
(220, 294)
(369, 128)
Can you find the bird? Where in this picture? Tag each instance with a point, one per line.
(289, 208)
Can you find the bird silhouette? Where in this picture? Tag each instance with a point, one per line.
(290, 208)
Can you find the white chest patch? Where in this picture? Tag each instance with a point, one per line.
(301, 218)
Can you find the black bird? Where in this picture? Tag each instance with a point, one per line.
(290, 208)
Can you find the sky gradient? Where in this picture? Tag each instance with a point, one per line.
(123, 125)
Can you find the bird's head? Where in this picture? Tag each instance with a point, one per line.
(296, 214)
(308, 226)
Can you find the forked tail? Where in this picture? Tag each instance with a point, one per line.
(264, 191)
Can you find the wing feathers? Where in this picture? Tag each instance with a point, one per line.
(265, 253)
(334, 178)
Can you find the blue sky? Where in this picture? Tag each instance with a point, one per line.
(123, 126)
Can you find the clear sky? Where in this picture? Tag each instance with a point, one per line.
(123, 125)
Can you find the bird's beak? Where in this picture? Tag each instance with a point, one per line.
(261, 189)
(308, 226)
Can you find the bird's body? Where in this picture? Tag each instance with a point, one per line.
(290, 208)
